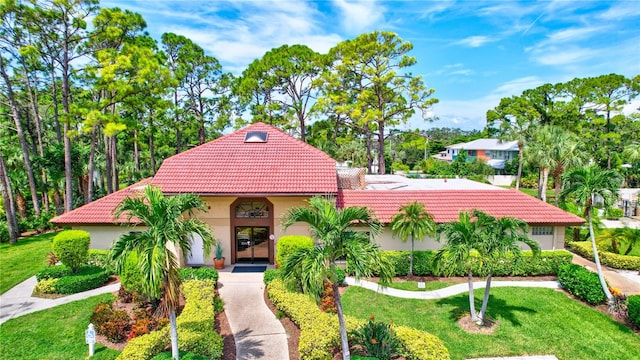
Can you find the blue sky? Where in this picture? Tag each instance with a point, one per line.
(473, 53)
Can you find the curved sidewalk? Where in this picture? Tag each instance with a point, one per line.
(18, 300)
(257, 332)
(448, 291)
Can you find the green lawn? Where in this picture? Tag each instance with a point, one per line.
(428, 285)
(533, 321)
(22, 260)
(56, 333)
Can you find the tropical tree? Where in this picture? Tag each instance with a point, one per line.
(503, 236)
(584, 185)
(415, 222)
(168, 222)
(464, 238)
(338, 235)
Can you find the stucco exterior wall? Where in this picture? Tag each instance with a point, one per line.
(102, 236)
(388, 242)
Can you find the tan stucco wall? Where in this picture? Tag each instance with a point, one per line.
(388, 242)
(102, 236)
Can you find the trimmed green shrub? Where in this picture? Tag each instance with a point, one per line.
(319, 331)
(547, 263)
(290, 243)
(340, 275)
(269, 275)
(419, 345)
(627, 262)
(614, 213)
(581, 283)
(46, 286)
(53, 272)
(202, 273)
(71, 247)
(90, 277)
(633, 309)
(184, 355)
(196, 332)
(131, 276)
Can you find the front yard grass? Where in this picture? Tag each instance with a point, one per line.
(20, 261)
(532, 321)
(411, 285)
(56, 333)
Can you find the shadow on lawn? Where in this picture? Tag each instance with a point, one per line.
(497, 308)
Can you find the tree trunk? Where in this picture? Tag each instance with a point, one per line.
(544, 179)
(381, 165)
(472, 305)
(175, 354)
(411, 259)
(603, 282)
(107, 159)
(136, 151)
(176, 118)
(9, 204)
(22, 139)
(369, 157)
(344, 340)
(152, 148)
(114, 163)
(520, 161)
(92, 165)
(485, 300)
(68, 204)
(54, 100)
(66, 95)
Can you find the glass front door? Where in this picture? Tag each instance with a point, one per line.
(252, 244)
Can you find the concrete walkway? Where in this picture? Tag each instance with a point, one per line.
(18, 300)
(448, 291)
(257, 332)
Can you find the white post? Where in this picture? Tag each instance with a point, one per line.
(90, 338)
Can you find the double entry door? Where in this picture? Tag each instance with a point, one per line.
(252, 244)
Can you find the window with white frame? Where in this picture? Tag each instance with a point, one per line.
(542, 230)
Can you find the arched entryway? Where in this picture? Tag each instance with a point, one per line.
(251, 229)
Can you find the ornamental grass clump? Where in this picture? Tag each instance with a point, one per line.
(376, 339)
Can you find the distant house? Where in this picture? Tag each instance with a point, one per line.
(249, 179)
(493, 151)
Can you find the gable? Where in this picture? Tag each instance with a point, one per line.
(268, 161)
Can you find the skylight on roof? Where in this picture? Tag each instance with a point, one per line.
(256, 136)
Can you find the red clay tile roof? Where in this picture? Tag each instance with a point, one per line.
(445, 205)
(100, 211)
(228, 165)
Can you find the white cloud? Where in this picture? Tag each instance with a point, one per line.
(475, 41)
(359, 16)
(621, 10)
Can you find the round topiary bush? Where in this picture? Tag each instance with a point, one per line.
(71, 247)
(289, 244)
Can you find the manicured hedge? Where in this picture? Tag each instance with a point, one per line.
(633, 309)
(196, 332)
(288, 244)
(66, 282)
(581, 283)
(202, 273)
(547, 263)
(627, 262)
(76, 283)
(269, 275)
(71, 247)
(320, 334)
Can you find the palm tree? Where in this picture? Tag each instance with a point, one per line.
(504, 234)
(337, 237)
(583, 185)
(166, 224)
(464, 237)
(413, 221)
